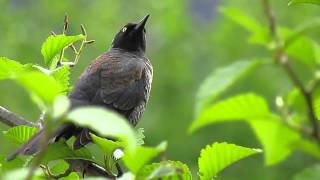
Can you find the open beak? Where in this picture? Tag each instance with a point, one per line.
(142, 23)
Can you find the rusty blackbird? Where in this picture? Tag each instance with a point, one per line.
(119, 79)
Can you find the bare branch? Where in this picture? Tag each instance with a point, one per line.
(11, 119)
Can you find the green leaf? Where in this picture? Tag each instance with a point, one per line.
(269, 132)
(55, 44)
(292, 35)
(166, 170)
(42, 87)
(58, 167)
(307, 146)
(108, 146)
(60, 150)
(310, 173)
(105, 122)
(218, 156)
(60, 106)
(303, 49)
(9, 165)
(22, 174)
(20, 134)
(241, 107)
(71, 176)
(259, 34)
(217, 82)
(61, 75)
(140, 136)
(137, 159)
(292, 2)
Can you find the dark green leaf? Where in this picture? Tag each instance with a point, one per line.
(310, 173)
(60, 150)
(218, 156)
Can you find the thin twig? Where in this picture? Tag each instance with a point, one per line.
(283, 59)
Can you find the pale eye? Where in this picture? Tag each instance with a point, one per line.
(124, 29)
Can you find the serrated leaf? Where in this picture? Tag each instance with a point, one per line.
(259, 34)
(173, 170)
(217, 82)
(53, 45)
(268, 132)
(137, 159)
(218, 156)
(61, 75)
(105, 122)
(241, 107)
(20, 134)
(310, 173)
(10, 69)
(140, 136)
(292, 2)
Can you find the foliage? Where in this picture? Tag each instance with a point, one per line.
(281, 129)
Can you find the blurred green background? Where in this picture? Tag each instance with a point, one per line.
(187, 39)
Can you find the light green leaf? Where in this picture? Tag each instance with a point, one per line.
(292, 35)
(303, 49)
(53, 45)
(9, 165)
(108, 146)
(10, 69)
(166, 170)
(23, 173)
(71, 176)
(140, 136)
(310, 173)
(20, 134)
(137, 159)
(217, 82)
(105, 122)
(292, 2)
(58, 167)
(269, 132)
(60, 106)
(259, 34)
(218, 156)
(241, 107)
(61, 75)
(43, 87)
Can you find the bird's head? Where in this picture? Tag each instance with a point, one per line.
(132, 37)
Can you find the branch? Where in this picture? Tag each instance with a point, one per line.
(11, 119)
(283, 59)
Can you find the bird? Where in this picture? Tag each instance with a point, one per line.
(119, 80)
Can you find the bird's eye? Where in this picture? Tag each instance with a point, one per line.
(124, 29)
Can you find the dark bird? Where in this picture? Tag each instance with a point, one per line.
(119, 79)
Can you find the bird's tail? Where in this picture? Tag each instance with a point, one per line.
(35, 144)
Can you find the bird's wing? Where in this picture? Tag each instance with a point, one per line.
(122, 83)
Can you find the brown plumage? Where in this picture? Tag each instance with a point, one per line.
(119, 79)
